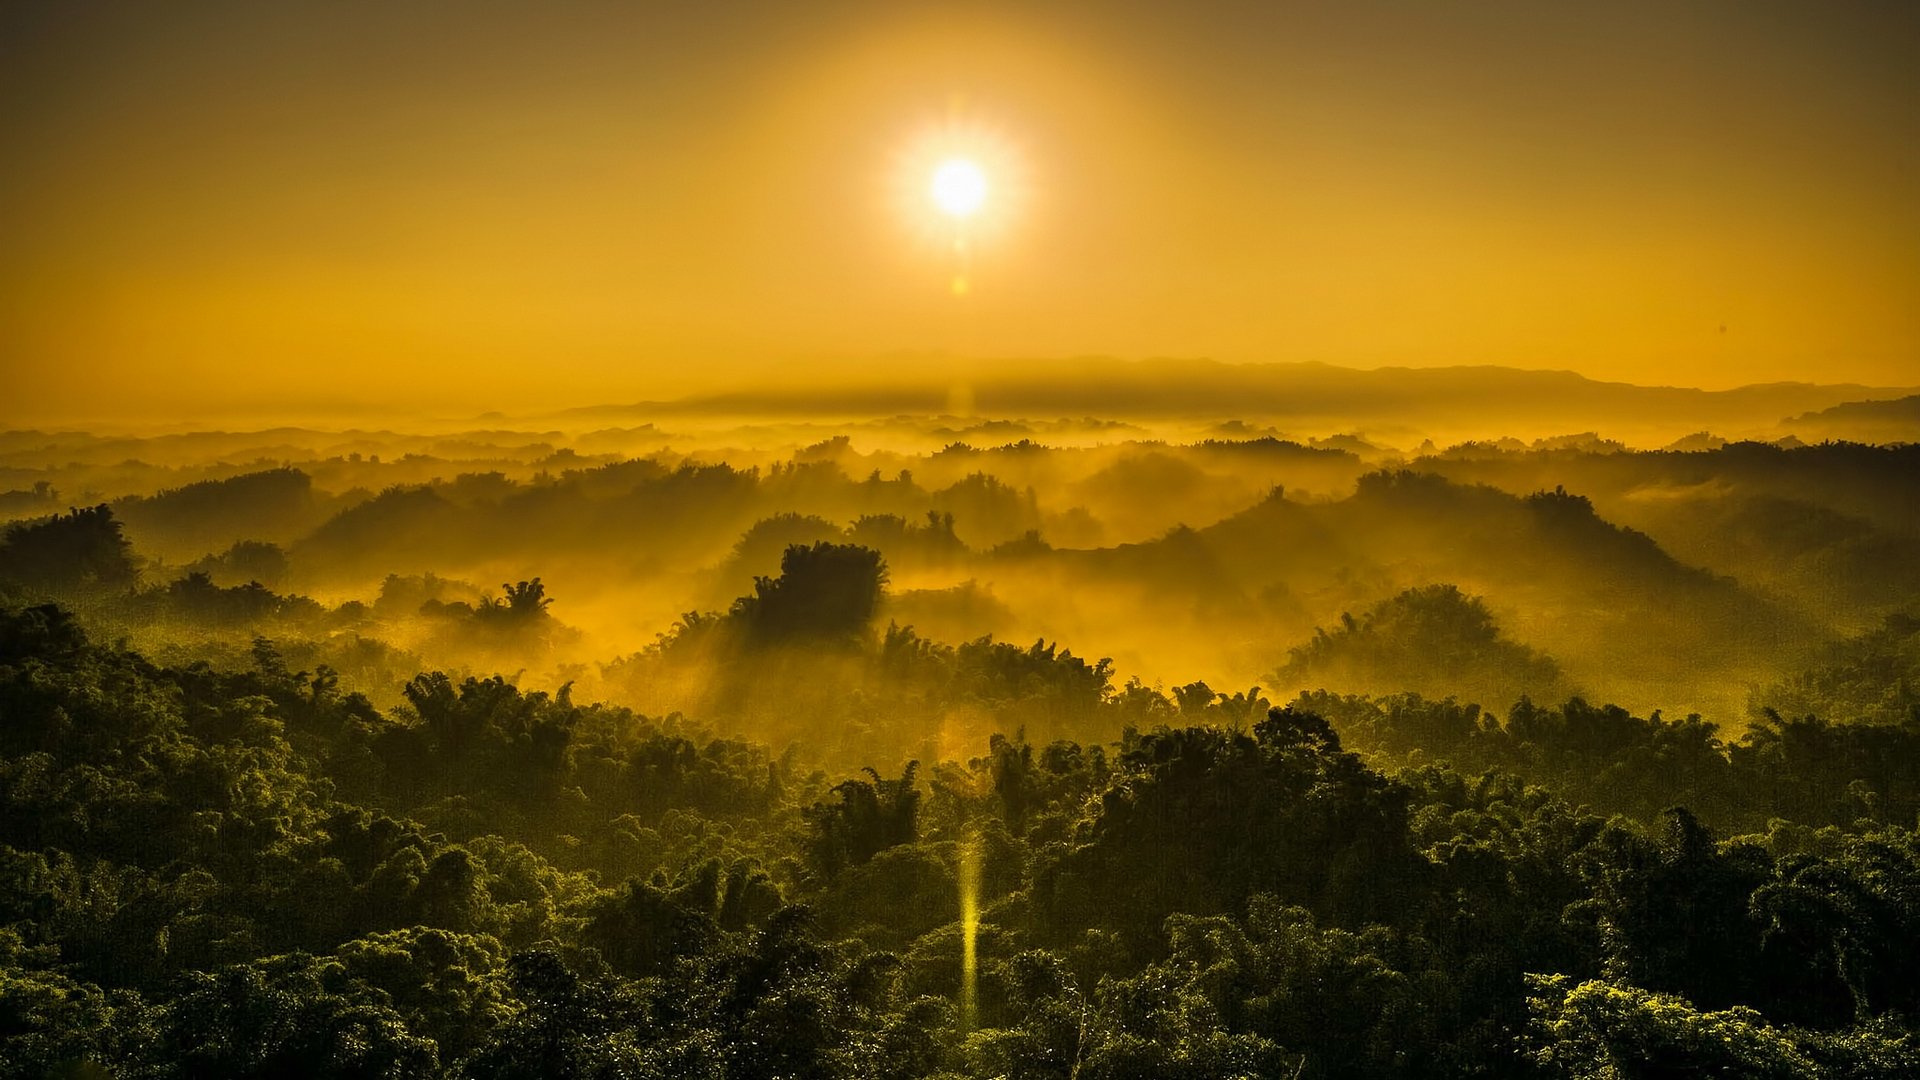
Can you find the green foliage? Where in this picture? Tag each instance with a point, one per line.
(827, 593)
(250, 872)
(51, 1024)
(1871, 679)
(1222, 816)
(81, 551)
(44, 632)
(209, 515)
(525, 604)
(288, 1016)
(931, 543)
(868, 817)
(447, 986)
(259, 561)
(197, 597)
(1597, 1030)
(643, 930)
(1432, 640)
(1807, 770)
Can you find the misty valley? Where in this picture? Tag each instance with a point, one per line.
(959, 540)
(656, 743)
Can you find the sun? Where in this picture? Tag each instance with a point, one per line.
(959, 181)
(959, 187)
(962, 188)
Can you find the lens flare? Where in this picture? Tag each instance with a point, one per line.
(969, 930)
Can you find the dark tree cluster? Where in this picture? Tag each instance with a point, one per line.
(250, 873)
(81, 551)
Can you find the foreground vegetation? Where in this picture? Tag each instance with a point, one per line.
(247, 873)
(826, 826)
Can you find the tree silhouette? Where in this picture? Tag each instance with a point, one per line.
(83, 549)
(869, 817)
(525, 605)
(826, 594)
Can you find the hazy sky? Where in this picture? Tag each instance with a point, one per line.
(487, 204)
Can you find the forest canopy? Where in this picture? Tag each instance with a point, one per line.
(854, 760)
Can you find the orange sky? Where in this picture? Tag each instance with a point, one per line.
(224, 206)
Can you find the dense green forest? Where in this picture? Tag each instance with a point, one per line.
(287, 795)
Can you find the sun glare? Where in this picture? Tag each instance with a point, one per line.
(959, 187)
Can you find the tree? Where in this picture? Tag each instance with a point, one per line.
(525, 605)
(1221, 816)
(1435, 640)
(81, 550)
(826, 594)
(1598, 1030)
(869, 817)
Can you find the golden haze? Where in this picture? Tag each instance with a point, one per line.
(236, 205)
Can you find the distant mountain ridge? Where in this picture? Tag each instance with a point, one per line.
(1473, 396)
(1896, 420)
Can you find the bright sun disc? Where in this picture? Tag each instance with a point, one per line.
(959, 187)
